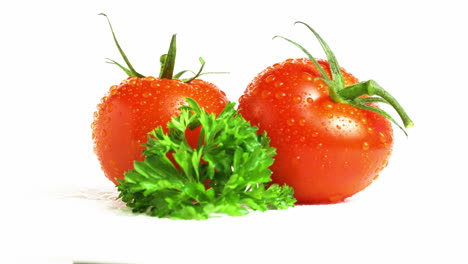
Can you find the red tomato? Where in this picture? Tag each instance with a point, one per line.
(135, 107)
(327, 151)
(140, 104)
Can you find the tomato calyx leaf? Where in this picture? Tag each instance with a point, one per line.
(129, 70)
(167, 61)
(352, 95)
(226, 173)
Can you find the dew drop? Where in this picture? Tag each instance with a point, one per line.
(280, 95)
(297, 99)
(309, 100)
(291, 122)
(103, 133)
(315, 134)
(155, 84)
(270, 78)
(302, 139)
(110, 107)
(338, 127)
(382, 137)
(370, 130)
(365, 146)
(302, 122)
(150, 78)
(132, 82)
(146, 94)
(278, 84)
(307, 76)
(330, 115)
(265, 94)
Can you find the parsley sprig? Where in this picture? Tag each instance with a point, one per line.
(227, 173)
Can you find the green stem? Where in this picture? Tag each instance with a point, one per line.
(202, 61)
(168, 60)
(130, 71)
(373, 88)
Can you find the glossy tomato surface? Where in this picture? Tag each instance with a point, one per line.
(135, 107)
(326, 151)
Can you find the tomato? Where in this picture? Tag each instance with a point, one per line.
(326, 151)
(329, 146)
(135, 107)
(138, 105)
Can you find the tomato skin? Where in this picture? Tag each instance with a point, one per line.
(326, 151)
(135, 107)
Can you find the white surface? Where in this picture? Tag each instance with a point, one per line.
(57, 207)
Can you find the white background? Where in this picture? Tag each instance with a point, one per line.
(57, 207)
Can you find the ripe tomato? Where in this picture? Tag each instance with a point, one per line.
(135, 107)
(331, 139)
(327, 151)
(140, 104)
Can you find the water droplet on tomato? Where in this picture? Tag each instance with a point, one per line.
(132, 82)
(110, 107)
(330, 115)
(270, 78)
(278, 84)
(143, 102)
(365, 146)
(315, 134)
(113, 90)
(291, 122)
(279, 95)
(302, 122)
(302, 139)
(338, 127)
(370, 130)
(382, 137)
(297, 99)
(265, 94)
(103, 133)
(155, 84)
(307, 76)
(146, 94)
(309, 100)
(150, 78)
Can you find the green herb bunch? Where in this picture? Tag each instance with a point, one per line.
(227, 173)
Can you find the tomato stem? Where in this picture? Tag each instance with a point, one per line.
(353, 92)
(168, 60)
(130, 70)
(352, 95)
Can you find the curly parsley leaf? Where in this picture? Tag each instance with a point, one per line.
(227, 173)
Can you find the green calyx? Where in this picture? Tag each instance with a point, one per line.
(167, 61)
(352, 94)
